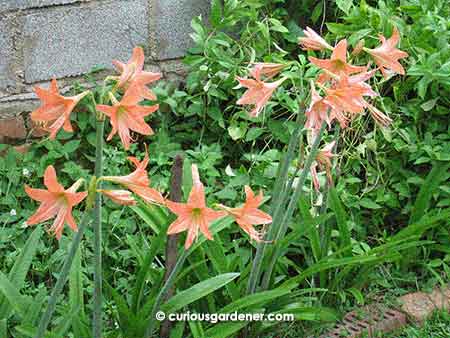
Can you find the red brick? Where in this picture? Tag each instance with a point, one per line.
(13, 127)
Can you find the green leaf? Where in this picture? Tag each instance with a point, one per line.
(432, 182)
(3, 332)
(138, 292)
(311, 229)
(255, 299)
(20, 268)
(216, 13)
(126, 317)
(71, 146)
(11, 293)
(341, 217)
(225, 330)
(344, 5)
(76, 296)
(369, 204)
(197, 292)
(237, 131)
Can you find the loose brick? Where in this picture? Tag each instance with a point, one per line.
(418, 306)
(172, 25)
(13, 128)
(67, 41)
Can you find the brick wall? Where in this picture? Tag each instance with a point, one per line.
(42, 39)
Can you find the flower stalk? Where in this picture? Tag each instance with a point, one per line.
(97, 224)
(62, 278)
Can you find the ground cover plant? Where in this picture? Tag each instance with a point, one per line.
(332, 128)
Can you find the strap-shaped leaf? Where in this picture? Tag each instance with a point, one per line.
(197, 292)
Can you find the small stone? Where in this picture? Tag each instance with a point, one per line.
(441, 298)
(418, 306)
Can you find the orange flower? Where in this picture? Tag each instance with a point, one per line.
(386, 56)
(127, 115)
(56, 201)
(54, 113)
(266, 69)
(193, 215)
(346, 97)
(313, 41)
(133, 75)
(258, 92)
(123, 197)
(317, 112)
(337, 64)
(323, 160)
(138, 182)
(249, 215)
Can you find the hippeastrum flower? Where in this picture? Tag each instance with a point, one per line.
(249, 215)
(55, 201)
(317, 112)
(138, 181)
(193, 215)
(258, 92)
(323, 160)
(127, 115)
(54, 112)
(346, 97)
(313, 41)
(133, 75)
(122, 197)
(266, 69)
(386, 56)
(337, 64)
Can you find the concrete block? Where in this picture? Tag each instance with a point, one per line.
(68, 41)
(9, 5)
(6, 53)
(172, 25)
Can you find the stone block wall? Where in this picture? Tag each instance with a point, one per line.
(42, 39)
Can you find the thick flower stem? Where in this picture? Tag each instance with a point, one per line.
(285, 220)
(278, 198)
(97, 318)
(62, 279)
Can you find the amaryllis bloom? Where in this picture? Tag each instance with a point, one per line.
(323, 160)
(193, 215)
(138, 182)
(346, 97)
(249, 215)
(337, 64)
(127, 115)
(266, 69)
(55, 109)
(386, 56)
(313, 41)
(133, 75)
(318, 111)
(122, 197)
(258, 92)
(359, 80)
(55, 201)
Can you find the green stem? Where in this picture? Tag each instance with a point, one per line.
(292, 205)
(97, 317)
(278, 198)
(167, 286)
(62, 279)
